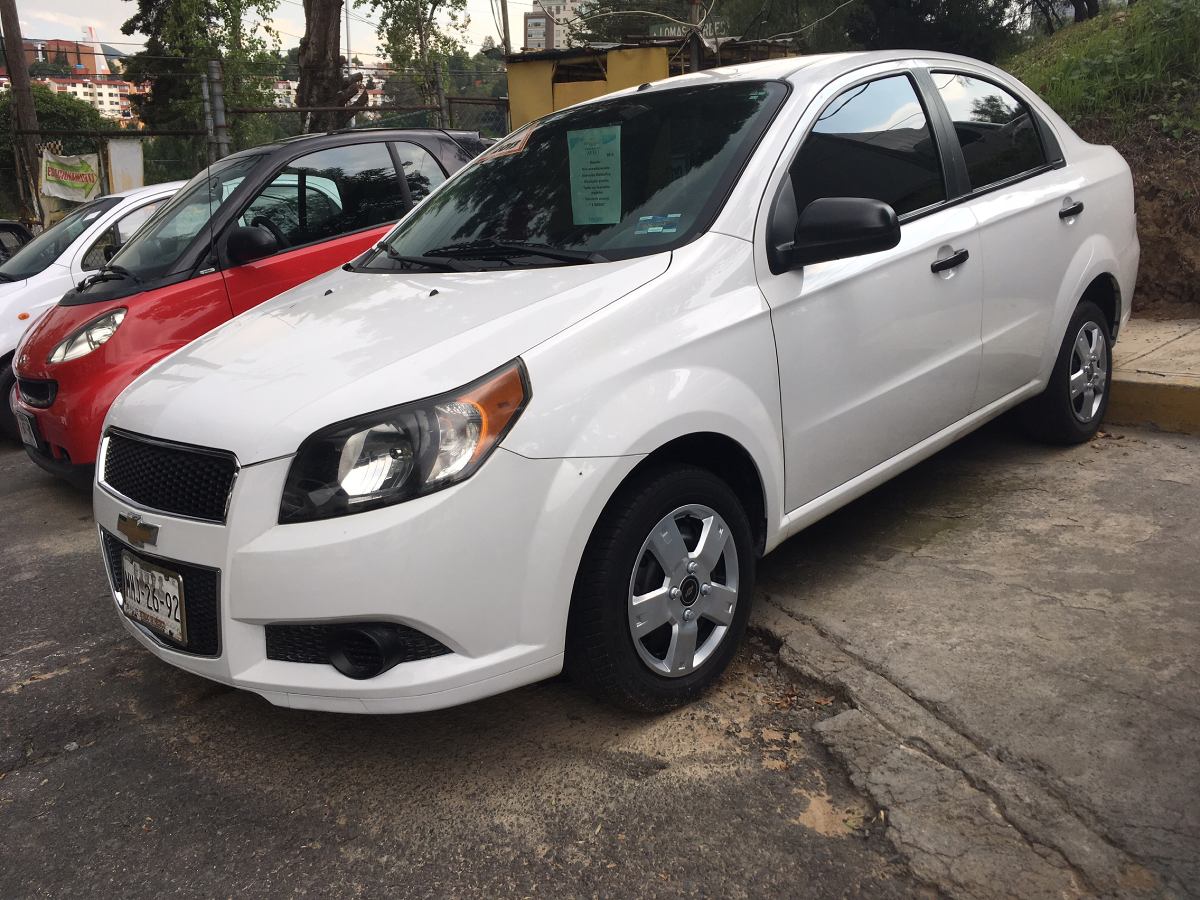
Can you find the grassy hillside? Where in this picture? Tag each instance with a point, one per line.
(1131, 78)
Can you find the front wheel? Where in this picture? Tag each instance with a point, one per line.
(663, 591)
(1070, 409)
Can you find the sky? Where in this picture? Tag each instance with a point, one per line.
(66, 19)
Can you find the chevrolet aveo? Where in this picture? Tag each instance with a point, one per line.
(556, 416)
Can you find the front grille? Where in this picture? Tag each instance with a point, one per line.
(171, 478)
(37, 393)
(201, 593)
(310, 643)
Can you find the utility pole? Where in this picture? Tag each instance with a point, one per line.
(25, 114)
(208, 119)
(504, 21)
(694, 35)
(217, 90)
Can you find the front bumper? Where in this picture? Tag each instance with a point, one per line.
(486, 567)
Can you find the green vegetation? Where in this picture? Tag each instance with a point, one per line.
(1122, 69)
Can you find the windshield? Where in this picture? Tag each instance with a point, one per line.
(52, 243)
(625, 177)
(156, 248)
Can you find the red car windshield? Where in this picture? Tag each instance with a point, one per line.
(158, 246)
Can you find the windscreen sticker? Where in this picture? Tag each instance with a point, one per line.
(595, 157)
(511, 145)
(668, 224)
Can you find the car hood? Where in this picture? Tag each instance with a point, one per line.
(347, 343)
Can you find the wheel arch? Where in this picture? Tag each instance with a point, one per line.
(1105, 292)
(1092, 275)
(725, 458)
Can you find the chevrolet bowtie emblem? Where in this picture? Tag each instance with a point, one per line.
(139, 533)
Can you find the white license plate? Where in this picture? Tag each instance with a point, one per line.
(26, 427)
(153, 596)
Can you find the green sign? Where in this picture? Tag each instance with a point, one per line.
(595, 157)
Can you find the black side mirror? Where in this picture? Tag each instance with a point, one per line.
(110, 250)
(247, 243)
(840, 227)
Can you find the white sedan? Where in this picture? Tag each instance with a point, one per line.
(558, 414)
(35, 277)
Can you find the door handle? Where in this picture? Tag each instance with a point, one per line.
(955, 259)
(1069, 212)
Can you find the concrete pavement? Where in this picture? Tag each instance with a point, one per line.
(1018, 628)
(120, 776)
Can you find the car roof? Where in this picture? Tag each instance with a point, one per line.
(350, 136)
(821, 67)
(148, 189)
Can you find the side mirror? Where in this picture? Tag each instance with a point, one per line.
(110, 250)
(247, 243)
(840, 227)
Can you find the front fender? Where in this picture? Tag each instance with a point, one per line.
(691, 352)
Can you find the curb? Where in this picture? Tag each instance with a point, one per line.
(1165, 402)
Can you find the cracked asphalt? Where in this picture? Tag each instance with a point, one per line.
(980, 680)
(120, 776)
(1019, 627)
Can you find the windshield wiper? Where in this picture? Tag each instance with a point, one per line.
(489, 249)
(425, 262)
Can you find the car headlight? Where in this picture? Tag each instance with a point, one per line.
(89, 337)
(406, 451)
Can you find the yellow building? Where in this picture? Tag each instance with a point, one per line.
(541, 81)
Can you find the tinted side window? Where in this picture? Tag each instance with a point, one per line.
(329, 193)
(872, 141)
(998, 134)
(421, 170)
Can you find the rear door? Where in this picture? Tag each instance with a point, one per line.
(1028, 205)
(324, 209)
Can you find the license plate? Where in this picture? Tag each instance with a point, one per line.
(27, 428)
(153, 596)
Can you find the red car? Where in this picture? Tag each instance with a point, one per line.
(245, 229)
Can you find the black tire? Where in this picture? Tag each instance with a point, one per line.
(601, 654)
(8, 422)
(1053, 416)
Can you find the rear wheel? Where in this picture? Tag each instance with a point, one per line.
(663, 592)
(1070, 409)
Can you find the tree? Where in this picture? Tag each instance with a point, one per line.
(322, 78)
(983, 29)
(421, 35)
(181, 37)
(49, 69)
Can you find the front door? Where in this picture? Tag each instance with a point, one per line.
(324, 209)
(877, 352)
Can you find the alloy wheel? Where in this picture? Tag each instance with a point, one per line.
(683, 590)
(1089, 371)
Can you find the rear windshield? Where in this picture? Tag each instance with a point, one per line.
(159, 244)
(52, 243)
(625, 177)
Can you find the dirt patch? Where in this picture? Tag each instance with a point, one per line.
(1166, 178)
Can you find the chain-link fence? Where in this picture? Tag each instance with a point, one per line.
(486, 115)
